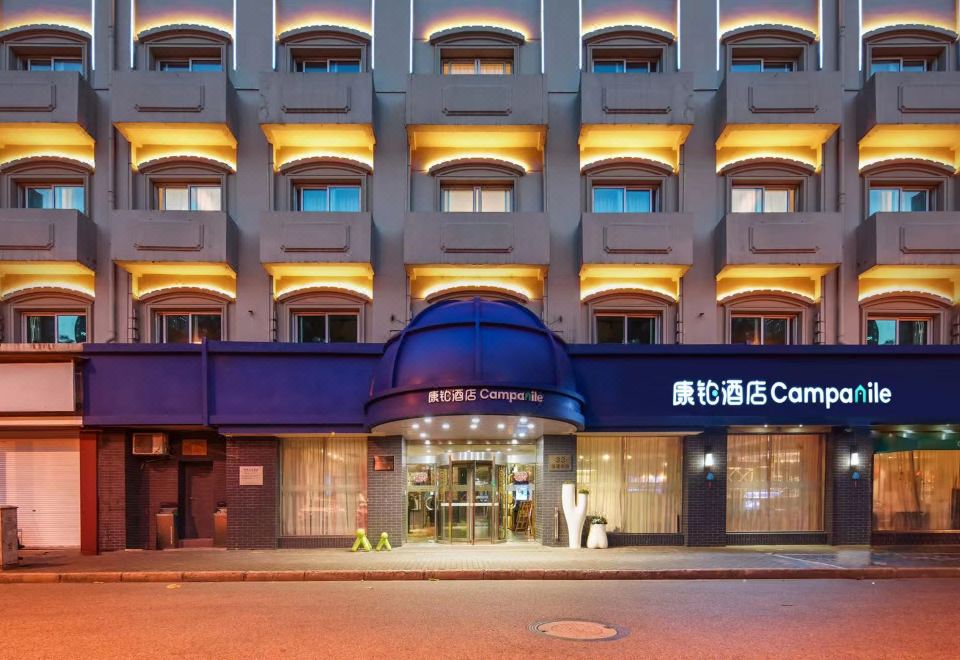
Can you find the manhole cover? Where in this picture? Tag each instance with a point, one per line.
(577, 630)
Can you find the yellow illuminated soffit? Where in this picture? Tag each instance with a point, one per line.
(292, 278)
(483, 139)
(902, 16)
(659, 144)
(22, 276)
(300, 142)
(195, 16)
(799, 142)
(319, 20)
(936, 143)
(476, 19)
(155, 141)
(942, 281)
(767, 19)
(23, 140)
(60, 18)
(657, 279)
(628, 20)
(475, 156)
(523, 282)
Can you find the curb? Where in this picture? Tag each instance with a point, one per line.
(398, 575)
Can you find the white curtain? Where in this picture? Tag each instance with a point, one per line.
(323, 485)
(917, 490)
(635, 482)
(775, 483)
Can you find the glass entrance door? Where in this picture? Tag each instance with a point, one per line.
(470, 505)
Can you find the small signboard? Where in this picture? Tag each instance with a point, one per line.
(251, 475)
(383, 463)
(560, 463)
(194, 447)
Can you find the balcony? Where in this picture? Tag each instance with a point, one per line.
(298, 98)
(653, 239)
(291, 237)
(635, 99)
(61, 98)
(510, 100)
(909, 239)
(41, 236)
(175, 237)
(891, 99)
(780, 239)
(476, 239)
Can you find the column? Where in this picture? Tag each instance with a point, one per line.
(848, 511)
(705, 500)
(386, 491)
(253, 509)
(549, 484)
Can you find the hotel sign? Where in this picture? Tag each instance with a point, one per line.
(740, 393)
(464, 394)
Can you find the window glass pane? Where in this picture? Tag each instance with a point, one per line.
(343, 328)
(777, 201)
(916, 490)
(345, 66)
(206, 65)
(914, 200)
(313, 199)
(206, 326)
(41, 329)
(323, 488)
(71, 328)
(778, 66)
(608, 200)
(68, 65)
(311, 66)
(456, 68)
(608, 66)
(174, 199)
(639, 67)
(745, 330)
(311, 328)
(69, 197)
(175, 328)
(641, 330)
(205, 198)
(345, 198)
(40, 198)
(458, 200)
(747, 65)
(174, 65)
(884, 200)
(39, 65)
(914, 65)
(881, 332)
(610, 329)
(775, 483)
(494, 67)
(776, 332)
(746, 200)
(884, 65)
(913, 332)
(639, 201)
(493, 200)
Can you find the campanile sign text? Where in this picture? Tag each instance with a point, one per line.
(737, 392)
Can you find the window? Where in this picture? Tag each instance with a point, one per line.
(53, 328)
(53, 196)
(621, 199)
(172, 197)
(328, 198)
(898, 331)
(898, 64)
(775, 483)
(326, 328)
(301, 65)
(477, 199)
(762, 330)
(190, 64)
(188, 328)
(636, 483)
(762, 64)
(892, 199)
(54, 64)
(627, 329)
(762, 199)
(477, 66)
(624, 66)
(916, 490)
(323, 486)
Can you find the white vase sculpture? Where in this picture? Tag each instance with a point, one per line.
(575, 512)
(597, 537)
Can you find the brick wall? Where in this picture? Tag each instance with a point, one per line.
(252, 511)
(548, 487)
(848, 512)
(705, 502)
(111, 492)
(386, 491)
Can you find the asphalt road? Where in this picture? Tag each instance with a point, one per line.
(697, 619)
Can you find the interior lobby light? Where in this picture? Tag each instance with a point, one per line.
(445, 426)
(708, 460)
(501, 426)
(415, 426)
(428, 420)
(475, 420)
(473, 427)
(523, 420)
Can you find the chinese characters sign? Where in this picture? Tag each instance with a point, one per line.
(737, 392)
(461, 394)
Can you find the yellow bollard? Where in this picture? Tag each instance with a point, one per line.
(362, 541)
(384, 543)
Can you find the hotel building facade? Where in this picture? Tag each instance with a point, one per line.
(274, 271)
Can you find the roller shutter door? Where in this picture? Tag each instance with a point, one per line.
(42, 478)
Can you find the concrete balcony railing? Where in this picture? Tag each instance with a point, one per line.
(745, 239)
(297, 237)
(637, 238)
(56, 97)
(614, 98)
(174, 237)
(476, 239)
(515, 100)
(174, 98)
(932, 97)
(41, 235)
(909, 239)
(799, 97)
(298, 98)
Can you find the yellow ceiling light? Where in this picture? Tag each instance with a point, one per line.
(590, 159)
(468, 156)
(79, 21)
(154, 141)
(196, 16)
(902, 16)
(325, 285)
(479, 20)
(452, 286)
(871, 157)
(207, 287)
(82, 285)
(794, 20)
(761, 288)
(286, 158)
(300, 142)
(319, 19)
(146, 156)
(79, 155)
(729, 157)
(626, 287)
(476, 138)
(629, 20)
(873, 288)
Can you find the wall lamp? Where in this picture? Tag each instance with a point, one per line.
(854, 463)
(708, 463)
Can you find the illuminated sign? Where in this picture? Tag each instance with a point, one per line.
(461, 394)
(736, 392)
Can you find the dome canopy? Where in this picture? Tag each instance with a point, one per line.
(477, 356)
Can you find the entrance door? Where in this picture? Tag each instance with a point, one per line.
(469, 509)
(196, 487)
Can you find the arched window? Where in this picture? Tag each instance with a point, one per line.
(324, 316)
(47, 316)
(626, 49)
(47, 183)
(768, 318)
(769, 48)
(477, 185)
(183, 315)
(323, 185)
(476, 50)
(912, 49)
(905, 319)
(324, 49)
(184, 48)
(183, 184)
(631, 317)
(907, 186)
(770, 186)
(629, 186)
(43, 48)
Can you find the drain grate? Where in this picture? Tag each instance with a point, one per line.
(578, 630)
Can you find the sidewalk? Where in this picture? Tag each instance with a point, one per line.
(527, 561)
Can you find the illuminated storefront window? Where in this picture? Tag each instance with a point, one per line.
(916, 491)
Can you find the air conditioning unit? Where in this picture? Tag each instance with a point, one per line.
(150, 444)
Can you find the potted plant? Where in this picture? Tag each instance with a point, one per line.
(597, 537)
(574, 511)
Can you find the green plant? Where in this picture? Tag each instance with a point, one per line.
(598, 520)
(584, 491)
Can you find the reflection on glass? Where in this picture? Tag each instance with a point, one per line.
(746, 200)
(891, 332)
(917, 490)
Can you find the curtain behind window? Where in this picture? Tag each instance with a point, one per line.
(323, 485)
(775, 483)
(916, 490)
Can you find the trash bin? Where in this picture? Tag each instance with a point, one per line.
(167, 528)
(9, 556)
(220, 527)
